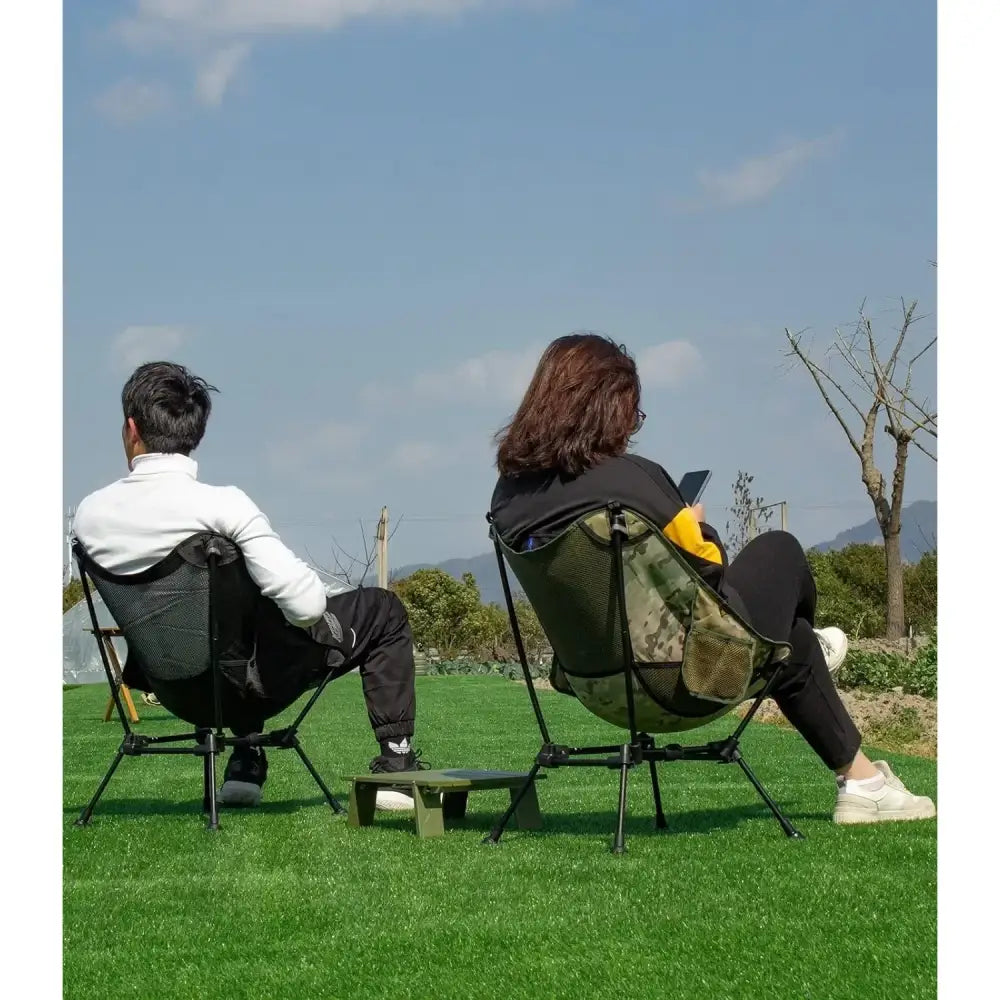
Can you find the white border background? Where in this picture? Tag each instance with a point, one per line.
(968, 391)
(31, 402)
(31, 489)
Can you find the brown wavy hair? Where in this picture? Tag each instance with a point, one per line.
(582, 406)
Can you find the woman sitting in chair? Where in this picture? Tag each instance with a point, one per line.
(564, 454)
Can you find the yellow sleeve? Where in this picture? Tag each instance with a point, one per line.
(685, 532)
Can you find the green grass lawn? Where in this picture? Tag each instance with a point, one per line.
(288, 901)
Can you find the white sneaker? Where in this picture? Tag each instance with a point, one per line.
(834, 644)
(874, 801)
(391, 800)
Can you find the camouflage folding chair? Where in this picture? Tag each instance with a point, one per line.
(643, 643)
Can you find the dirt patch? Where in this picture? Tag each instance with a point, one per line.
(896, 647)
(891, 720)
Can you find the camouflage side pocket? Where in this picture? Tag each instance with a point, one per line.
(719, 654)
(716, 667)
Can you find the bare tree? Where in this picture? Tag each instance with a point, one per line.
(745, 504)
(351, 568)
(870, 387)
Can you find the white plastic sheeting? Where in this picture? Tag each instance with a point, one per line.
(81, 658)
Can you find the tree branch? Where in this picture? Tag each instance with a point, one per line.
(917, 444)
(815, 371)
(908, 311)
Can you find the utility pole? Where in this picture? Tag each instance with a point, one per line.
(783, 504)
(382, 550)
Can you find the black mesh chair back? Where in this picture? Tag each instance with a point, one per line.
(191, 624)
(164, 614)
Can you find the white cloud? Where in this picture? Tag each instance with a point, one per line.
(667, 364)
(497, 376)
(156, 20)
(225, 27)
(130, 101)
(136, 345)
(756, 177)
(490, 378)
(317, 449)
(218, 71)
(417, 456)
(501, 377)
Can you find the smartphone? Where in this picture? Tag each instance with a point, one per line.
(693, 485)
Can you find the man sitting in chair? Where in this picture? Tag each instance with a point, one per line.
(135, 522)
(564, 454)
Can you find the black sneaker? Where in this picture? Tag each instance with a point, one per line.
(246, 772)
(396, 798)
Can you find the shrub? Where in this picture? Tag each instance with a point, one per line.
(72, 594)
(851, 587)
(877, 671)
(885, 671)
(440, 608)
(448, 615)
(469, 668)
(920, 593)
(924, 668)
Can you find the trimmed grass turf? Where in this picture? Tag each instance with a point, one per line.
(287, 901)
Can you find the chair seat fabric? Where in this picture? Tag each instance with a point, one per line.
(694, 658)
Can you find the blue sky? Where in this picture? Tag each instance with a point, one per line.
(363, 228)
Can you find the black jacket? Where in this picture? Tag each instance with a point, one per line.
(533, 508)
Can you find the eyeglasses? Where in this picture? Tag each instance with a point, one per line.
(640, 419)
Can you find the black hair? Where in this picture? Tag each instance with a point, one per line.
(169, 405)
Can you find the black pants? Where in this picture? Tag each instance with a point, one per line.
(772, 580)
(377, 641)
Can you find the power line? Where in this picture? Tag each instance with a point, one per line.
(446, 518)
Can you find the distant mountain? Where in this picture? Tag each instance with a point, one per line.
(483, 568)
(919, 535)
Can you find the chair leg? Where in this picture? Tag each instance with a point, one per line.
(661, 820)
(790, 830)
(493, 837)
(619, 844)
(84, 818)
(334, 804)
(210, 796)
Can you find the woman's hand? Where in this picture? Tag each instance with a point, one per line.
(699, 512)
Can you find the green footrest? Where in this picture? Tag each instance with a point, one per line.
(441, 795)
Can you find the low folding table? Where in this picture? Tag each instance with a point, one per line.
(441, 795)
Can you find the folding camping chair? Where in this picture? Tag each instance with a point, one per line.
(191, 622)
(643, 643)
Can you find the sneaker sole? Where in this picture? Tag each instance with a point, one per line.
(239, 793)
(851, 817)
(389, 800)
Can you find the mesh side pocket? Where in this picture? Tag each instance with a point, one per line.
(717, 667)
